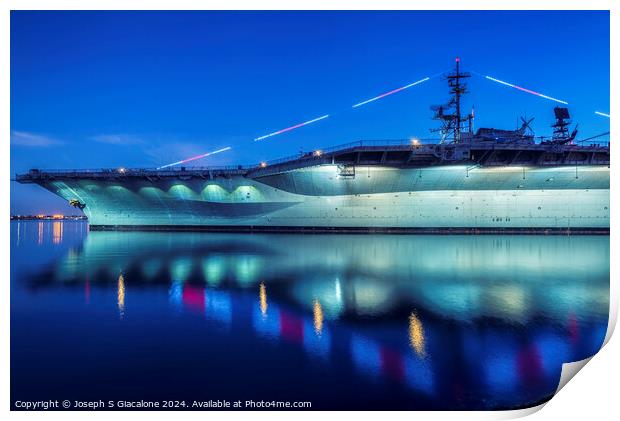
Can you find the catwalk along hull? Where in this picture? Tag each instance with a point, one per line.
(363, 197)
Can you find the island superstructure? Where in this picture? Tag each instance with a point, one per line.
(487, 180)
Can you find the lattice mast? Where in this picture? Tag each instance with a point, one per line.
(449, 114)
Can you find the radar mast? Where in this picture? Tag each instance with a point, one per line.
(560, 127)
(449, 114)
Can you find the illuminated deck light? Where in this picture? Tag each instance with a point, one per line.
(263, 164)
(415, 142)
(317, 153)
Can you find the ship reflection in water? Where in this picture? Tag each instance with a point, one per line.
(343, 321)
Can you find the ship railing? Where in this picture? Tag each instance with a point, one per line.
(323, 156)
(119, 172)
(380, 143)
(318, 156)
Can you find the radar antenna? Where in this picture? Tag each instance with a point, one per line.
(560, 127)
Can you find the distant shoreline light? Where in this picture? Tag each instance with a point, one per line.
(55, 217)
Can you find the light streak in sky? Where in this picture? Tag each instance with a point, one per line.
(296, 126)
(390, 93)
(193, 158)
(526, 90)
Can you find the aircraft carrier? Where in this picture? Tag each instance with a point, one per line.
(488, 180)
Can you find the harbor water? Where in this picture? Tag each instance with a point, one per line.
(341, 321)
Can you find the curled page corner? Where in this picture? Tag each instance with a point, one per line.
(569, 370)
(613, 315)
(518, 413)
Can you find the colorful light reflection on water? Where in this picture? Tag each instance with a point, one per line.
(347, 322)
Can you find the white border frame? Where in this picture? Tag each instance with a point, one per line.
(593, 394)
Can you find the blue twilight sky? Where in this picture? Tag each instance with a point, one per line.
(110, 89)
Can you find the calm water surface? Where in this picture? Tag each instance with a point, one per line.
(343, 321)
